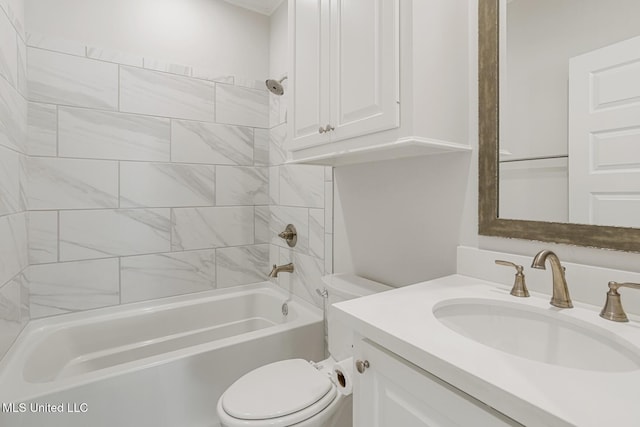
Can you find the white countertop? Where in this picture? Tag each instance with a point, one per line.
(532, 393)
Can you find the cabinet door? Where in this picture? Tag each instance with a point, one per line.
(309, 74)
(393, 392)
(365, 67)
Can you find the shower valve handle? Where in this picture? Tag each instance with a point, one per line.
(290, 235)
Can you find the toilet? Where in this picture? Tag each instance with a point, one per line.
(296, 392)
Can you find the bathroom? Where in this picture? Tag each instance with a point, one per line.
(147, 173)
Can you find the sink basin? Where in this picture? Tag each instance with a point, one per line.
(538, 334)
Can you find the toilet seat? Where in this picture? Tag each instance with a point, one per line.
(277, 395)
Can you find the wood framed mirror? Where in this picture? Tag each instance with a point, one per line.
(622, 238)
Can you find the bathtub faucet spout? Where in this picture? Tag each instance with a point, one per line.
(287, 268)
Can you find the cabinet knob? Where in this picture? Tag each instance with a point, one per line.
(362, 365)
(329, 128)
(321, 130)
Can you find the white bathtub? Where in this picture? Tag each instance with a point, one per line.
(157, 363)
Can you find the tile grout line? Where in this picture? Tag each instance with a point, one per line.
(332, 218)
(309, 230)
(171, 141)
(214, 279)
(255, 224)
(17, 87)
(215, 263)
(12, 23)
(215, 184)
(107, 110)
(57, 131)
(119, 186)
(119, 280)
(221, 80)
(215, 102)
(58, 238)
(150, 208)
(169, 252)
(171, 222)
(119, 86)
(253, 141)
(12, 279)
(163, 162)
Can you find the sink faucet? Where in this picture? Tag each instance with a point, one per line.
(560, 296)
(287, 268)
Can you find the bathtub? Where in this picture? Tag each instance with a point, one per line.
(156, 363)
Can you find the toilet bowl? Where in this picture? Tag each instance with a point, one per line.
(296, 392)
(291, 392)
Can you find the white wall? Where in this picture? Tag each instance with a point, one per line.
(469, 226)
(279, 42)
(206, 33)
(398, 221)
(438, 68)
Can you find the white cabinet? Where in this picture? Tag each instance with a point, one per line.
(309, 88)
(344, 81)
(393, 392)
(373, 79)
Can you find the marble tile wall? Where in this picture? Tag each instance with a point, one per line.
(14, 296)
(301, 195)
(125, 179)
(144, 179)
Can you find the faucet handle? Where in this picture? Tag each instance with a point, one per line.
(612, 309)
(510, 264)
(519, 288)
(290, 235)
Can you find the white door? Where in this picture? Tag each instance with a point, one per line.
(365, 67)
(604, 136)
(309, 74)
(392, 392)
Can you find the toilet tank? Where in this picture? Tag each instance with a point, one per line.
(343, 287)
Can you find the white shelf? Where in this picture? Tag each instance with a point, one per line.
(403, 147)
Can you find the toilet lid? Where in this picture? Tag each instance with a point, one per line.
(276, 390)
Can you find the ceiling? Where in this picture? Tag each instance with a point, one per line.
(265, 7)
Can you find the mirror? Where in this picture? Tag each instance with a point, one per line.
(560, 121)
(570, 111)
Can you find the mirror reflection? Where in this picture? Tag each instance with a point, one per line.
(570, 111)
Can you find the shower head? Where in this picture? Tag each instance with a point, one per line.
(275, 86)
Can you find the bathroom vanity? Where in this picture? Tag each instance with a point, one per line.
(463, 351)
(393, 390)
